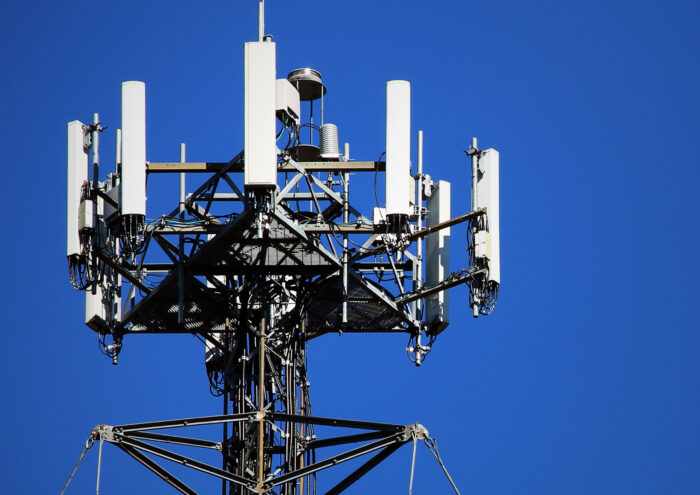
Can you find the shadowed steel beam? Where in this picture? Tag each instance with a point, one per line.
(360, 437)
(213, 167)
(332, 461)
(340, 423)
(447, 223)
(181, 423)
(364, 469)
(190, 442)
(451, 281)
(185, 461)
(158, 470)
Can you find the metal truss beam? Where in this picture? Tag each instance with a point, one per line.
(387, 438)
(214, 167)
(451, 281)
(332, 461)
(364, 469)
(183, 460)
(157, 469)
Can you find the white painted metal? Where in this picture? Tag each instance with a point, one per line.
(378, 215)
(287, 102)
(260, 145)
(211, 351)
(95, 309)
(329, 142)
(437, 257)
(86, 215)
(487, 196)
(482, 244)
(261, 20)
(133, 183)
(77, 175)
(118, 151)
(418, 272)
(398, 147)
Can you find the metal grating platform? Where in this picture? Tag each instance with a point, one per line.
(365, 313)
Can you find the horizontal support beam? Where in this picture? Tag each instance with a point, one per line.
(212, 167)
(192, 167)
(340, 423)
(181, 423)
(190, 442)
(343, 228)
(360, 437)
(312, 228)
(336, 166)
(299, 196)
(447, 223)
(449, 282)
(184, 229)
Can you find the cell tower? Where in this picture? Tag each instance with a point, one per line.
(267, 253)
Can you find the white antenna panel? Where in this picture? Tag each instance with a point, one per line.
(260, 98)
(487, 196)
(287, 102)
(437, 257)
(133, 183)
(398, 147)
(95, 309)
(77, 175)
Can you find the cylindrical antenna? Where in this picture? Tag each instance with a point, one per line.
(261, 20)
(329, 142)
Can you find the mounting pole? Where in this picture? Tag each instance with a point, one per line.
(346, 219)
(95, 137)
(261, 20)
(261, 406)
(181, 248)
(475, 171)
(475, 177)
(118, 149)
(418, 270)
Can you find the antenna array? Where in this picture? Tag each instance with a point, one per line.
(266, 254)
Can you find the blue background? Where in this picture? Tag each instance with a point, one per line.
(587, 377)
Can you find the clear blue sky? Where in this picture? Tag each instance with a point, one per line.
(587, 377)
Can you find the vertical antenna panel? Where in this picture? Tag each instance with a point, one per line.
(487, 196)
(133, 201)
(287, 103)
(437, 258)
(95, 310)
(77, 175)
(260, 146)
(398, 147)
